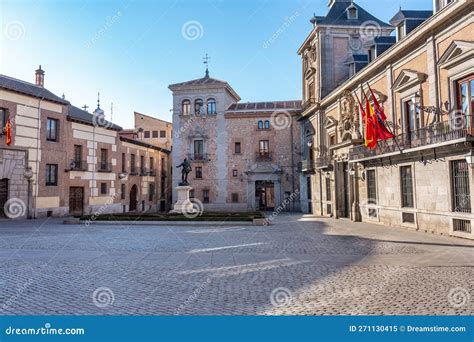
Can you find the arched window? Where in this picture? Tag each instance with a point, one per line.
(267, 124)
(260, 124)
(198, 107)
(211, 106)
(186, 107)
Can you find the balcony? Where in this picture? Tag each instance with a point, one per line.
(323, 161)
(163, 174)
(105, 167)
(144, 171)
(152, 172)
(454, 130)
(78, 165)
(263, 156)
(198, 157)
(306, 166)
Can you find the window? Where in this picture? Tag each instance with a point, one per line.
(234, 173)
(460, 188)
(198, 149)
(124, 162)
(52, 129)
(267, 124)
(77, 155)
(412, 120)
(311, 91)
(122, 191)
(371, 192)
(400, 31)
(260, 124)
(198, 107)
(51, 174)
(186, 107)
(237, 148)
(235, 197)
(3, 118)
(154, 134)
(151, 192)
(142, 164)
(406, 187)
(328, 189)
(198, 170)
(147, 134)
(103, 188)
(191, 193)
(465, 98)
(132, 164)
(162, 134)
(352, 13)
(152, 163)
(211, 106)
(103, 159)
(205, 196)
(264, 147)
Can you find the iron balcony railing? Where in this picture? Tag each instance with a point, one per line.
(78, 165)
(105, 167)
(198, 157)
(263, 156)
(456, 128)
(322, 161)
(143, 171)
(306, 166)
(163, 174)
(152, 172)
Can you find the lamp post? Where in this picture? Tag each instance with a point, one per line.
(28, 174)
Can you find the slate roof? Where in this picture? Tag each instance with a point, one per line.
(81, 115)
(357, 58)
(385, 40)
(30, 89)
(265, 106)
(337, 15)
(410, 14)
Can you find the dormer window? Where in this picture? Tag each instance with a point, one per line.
(401, 31)
(352, 12)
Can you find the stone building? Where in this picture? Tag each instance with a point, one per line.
(423, 76)
(244, 155)
(154, 131)
(65, 161)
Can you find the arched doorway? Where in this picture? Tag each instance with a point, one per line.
(133, 198)
(3, 195)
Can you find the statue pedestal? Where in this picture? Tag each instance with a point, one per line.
(183, 204)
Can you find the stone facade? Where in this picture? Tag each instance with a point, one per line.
(222, 140)
(154, 131)
(423, 178)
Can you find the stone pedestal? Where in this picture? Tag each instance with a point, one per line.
(183, 204)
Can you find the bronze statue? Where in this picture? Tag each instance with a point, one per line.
(186, 169)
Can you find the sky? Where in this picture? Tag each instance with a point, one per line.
(131, 50)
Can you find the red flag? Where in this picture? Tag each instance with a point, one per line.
(8, 132)
(379, 120)
(362, 111)
(378, 109)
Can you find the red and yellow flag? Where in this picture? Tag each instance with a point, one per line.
(8, 132)
(370, 126)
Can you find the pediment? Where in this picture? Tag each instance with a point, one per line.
(459, 51)
(330, 122)
(408, 79)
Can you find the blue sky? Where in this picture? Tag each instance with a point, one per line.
(131, 50)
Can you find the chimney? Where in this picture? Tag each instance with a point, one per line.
(39, 77)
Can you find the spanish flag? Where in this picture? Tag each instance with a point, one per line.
(370, 126)
(8, 132)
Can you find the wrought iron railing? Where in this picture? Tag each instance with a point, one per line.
(78, 165)
(306, 166)
(263, 156)
(458, 127)
(105, 167)
(198, 157)
(143, 171)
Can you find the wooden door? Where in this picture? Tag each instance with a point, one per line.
(76, 201)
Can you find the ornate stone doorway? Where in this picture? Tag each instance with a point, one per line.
(265, 195)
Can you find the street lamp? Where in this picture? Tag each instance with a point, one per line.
(28, 174)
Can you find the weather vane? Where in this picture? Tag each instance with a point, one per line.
(206, 62)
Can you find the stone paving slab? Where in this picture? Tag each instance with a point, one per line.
(294, 267)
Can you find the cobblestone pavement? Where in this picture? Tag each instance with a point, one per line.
(298, 266)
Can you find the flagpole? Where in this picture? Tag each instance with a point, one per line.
(387, 127)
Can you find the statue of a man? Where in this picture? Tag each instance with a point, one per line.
(186, 169)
